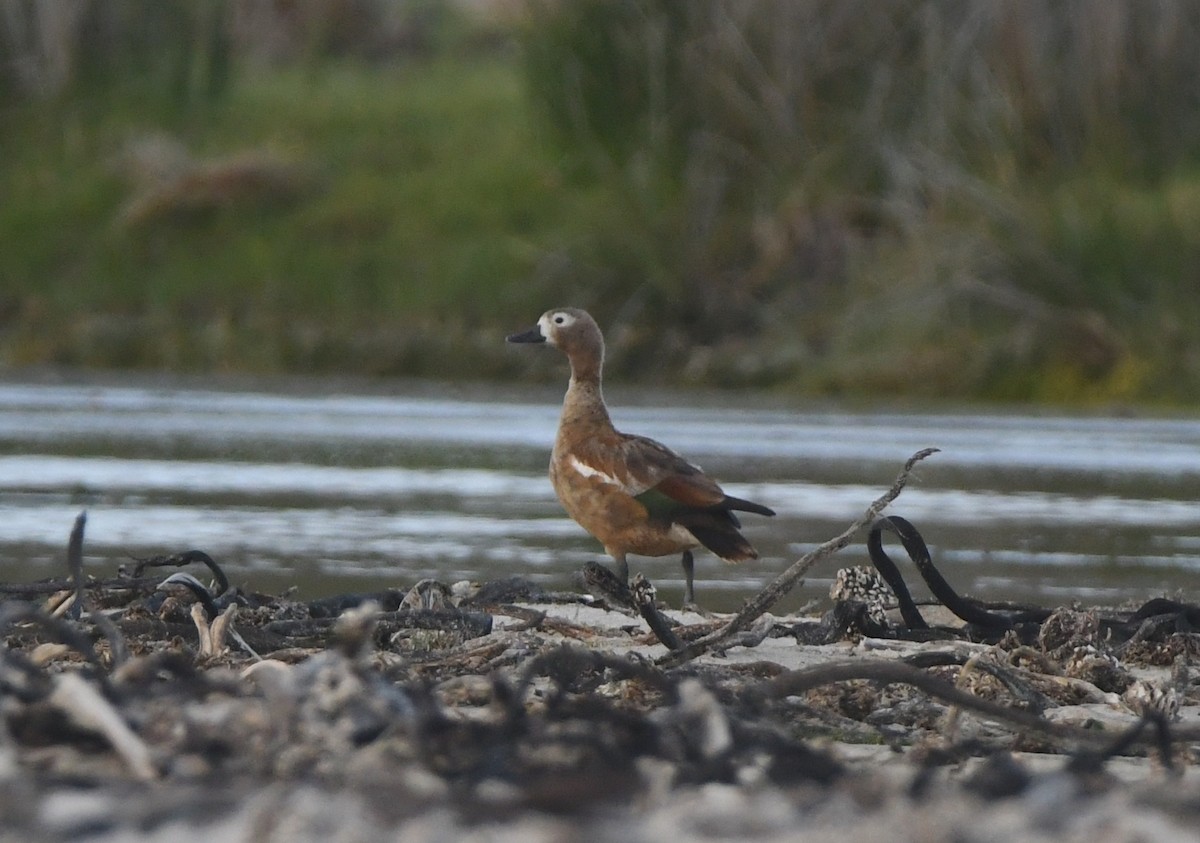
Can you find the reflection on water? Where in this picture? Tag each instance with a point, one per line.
(333, 492)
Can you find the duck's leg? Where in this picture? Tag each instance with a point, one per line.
(689, 572)
(622, 567)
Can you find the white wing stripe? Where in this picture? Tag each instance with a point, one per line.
(588, 471)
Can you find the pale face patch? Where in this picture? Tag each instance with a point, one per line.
(553, 321)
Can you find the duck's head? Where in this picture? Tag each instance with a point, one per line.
(568, 329)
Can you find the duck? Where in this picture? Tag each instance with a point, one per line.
(632, 493)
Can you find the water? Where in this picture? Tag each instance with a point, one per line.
(334, 492)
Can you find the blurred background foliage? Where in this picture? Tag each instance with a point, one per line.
(967, 199)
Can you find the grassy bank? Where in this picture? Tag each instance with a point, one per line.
(320, 220)
(926, 201)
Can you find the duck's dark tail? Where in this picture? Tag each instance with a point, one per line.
(741, 505)
(716, 529)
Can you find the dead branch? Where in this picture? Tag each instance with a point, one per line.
(796, 682)
(643, 597)
(75, 564)
(785, 582)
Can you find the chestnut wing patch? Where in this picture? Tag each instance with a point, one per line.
(691, 490)
(658, 467)
(672, 485)
(661, 480)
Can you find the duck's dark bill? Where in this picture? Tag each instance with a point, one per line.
(532, 335)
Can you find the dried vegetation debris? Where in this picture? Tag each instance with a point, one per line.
(174, 709)
(405, 707)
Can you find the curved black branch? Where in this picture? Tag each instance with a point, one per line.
(968, 610)
(195, 587)
(891, 574)
(786, 581)
(187, 557)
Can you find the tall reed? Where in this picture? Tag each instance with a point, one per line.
(810, 166)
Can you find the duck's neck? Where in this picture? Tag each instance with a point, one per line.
(584, 402)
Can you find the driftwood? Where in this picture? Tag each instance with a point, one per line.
(463, 711)
(992, 622)
(785, 582)
(799, 681)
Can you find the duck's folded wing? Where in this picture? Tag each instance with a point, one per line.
(643, 468)
(655, 468)
(652, 465)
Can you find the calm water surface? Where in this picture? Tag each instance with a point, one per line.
(335, 492)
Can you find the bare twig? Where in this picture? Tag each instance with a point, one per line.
(203, 631)
(178, 560)
(796, 682)
(37, 589)
(786, 581)
(117, 648)
(197, 588)
(84, 705)
(14, 612)
(75, 564)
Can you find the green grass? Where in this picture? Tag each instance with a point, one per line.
(431, 205)
(424, 204)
